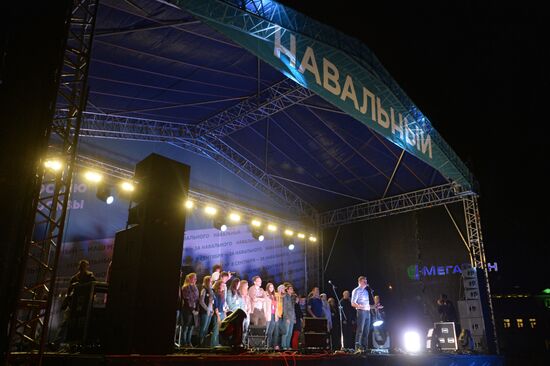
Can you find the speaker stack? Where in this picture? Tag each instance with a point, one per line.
(143, 289)
(470, 309)
(316, 336)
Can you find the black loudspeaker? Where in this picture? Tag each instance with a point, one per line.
(445, 336)
(313, 340)
(145, 271)
(316, 325)
(256, 337)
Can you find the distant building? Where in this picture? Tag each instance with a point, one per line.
(523, 322)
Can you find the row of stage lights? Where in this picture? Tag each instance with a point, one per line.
(256, 224)
(104, 193)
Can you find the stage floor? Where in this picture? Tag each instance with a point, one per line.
(257, 358)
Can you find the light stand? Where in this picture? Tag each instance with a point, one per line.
(341, 310)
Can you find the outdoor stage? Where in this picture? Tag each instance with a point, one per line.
(278, 358)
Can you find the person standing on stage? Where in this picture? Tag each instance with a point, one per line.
(189, 300)
(360, 301)
(246, 306)
(326, 311)
(257, 297)
(289, 316)
(272, 318)
(234, 300)
(206, 301)
(219, 302)
(348, 322)
(314, 304)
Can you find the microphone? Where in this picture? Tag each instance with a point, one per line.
(329, 281)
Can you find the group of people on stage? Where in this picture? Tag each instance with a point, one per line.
(279, 309)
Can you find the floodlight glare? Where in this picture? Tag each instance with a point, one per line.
(301, 235)
(53, 164)
(312, 239)
(411, 341)
(291, 247)
(272, 227)
(220, 226)
(261, 237)
(377, 323)
(256, 223)
(127, 187)
(189, 204)
(104, 194)
(289, 232)
(210, 211)
(235, 217)
(258, 235)
(93, 176)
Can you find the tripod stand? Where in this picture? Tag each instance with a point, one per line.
(341, 312)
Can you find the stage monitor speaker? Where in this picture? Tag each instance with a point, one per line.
(316, 325)
(145, 270)
(314, 340)
(445, 336)
(256, 337)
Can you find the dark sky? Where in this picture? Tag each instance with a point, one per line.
(478, 71)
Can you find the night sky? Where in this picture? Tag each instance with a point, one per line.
(478, 71)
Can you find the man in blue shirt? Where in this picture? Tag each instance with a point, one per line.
(360, 301)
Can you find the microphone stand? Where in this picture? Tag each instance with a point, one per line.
(341, 311)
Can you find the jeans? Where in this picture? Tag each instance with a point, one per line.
(215, 341)
(363, 326)
(205, 322)
(272, 332)
(287, 333)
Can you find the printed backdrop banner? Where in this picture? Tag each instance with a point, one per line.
(235, 249)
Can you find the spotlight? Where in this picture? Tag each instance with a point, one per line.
(289, 232)
(271, 227)
(53, 164)
(104, 194)
(256, 223)
(291, 247)
(258, 235)
(189, 204)
(377, 323)
(411, 341)
(127, 187)
(312, 239)
(210, 211)
(235, 217)
(93, 176)
(301, 235)
(220, 226)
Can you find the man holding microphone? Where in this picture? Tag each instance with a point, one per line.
(360, 301)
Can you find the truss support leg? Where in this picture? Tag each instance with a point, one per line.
(475, 240)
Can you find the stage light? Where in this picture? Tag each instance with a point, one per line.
(235, 217)
(210, 211)
(377, 323)
(256, 223)
(189, 204)
(291, 247)
(301, 235)
(127, 186)
(312, 239)
(220, 226)
(258, 235)
(104, 194)
(93, 176)
(289, 232)
(411, 341)
(53, 164)
(271, 227)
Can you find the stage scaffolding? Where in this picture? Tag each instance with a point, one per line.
(30, 323)
(30, 318)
